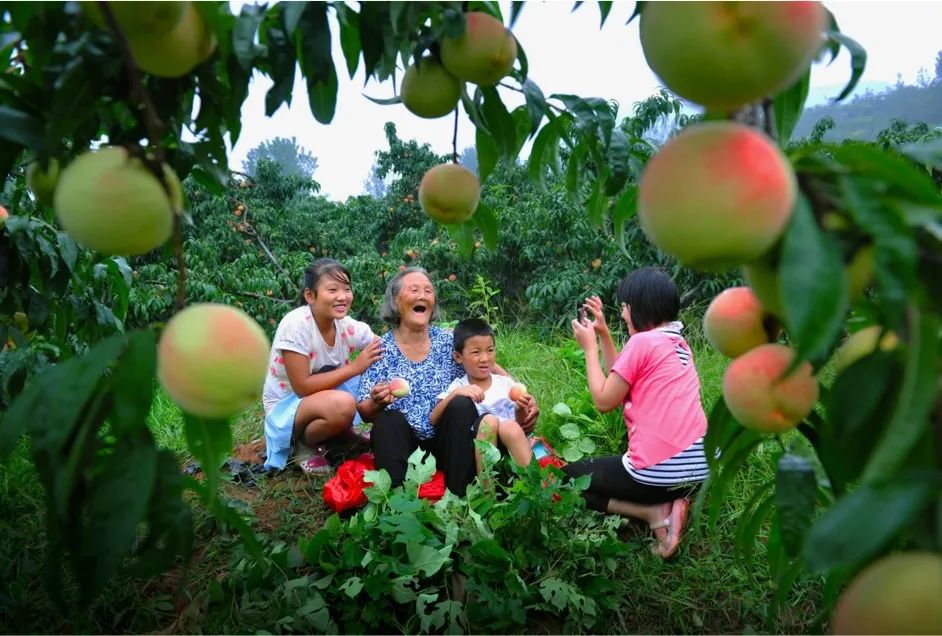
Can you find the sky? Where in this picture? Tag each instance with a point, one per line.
(567, 53)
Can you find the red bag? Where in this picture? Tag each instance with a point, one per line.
(344, 490)
(551, 460)
(434, 488)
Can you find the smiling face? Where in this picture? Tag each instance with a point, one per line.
(477, 357)
(332, 297)
(416, 300)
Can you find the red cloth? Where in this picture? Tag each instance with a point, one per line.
(344, 490)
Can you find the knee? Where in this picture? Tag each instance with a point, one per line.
(488, 427)
(460, 404)
(510, 431)
(342, 409)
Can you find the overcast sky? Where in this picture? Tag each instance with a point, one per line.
(567, 53)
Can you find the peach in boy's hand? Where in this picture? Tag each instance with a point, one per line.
(517, 391)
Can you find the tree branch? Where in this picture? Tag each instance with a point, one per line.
(250, 230)
(454, 139)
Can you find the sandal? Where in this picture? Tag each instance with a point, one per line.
(676, 525)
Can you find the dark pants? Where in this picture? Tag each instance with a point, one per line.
(453, 445)
(610, 480)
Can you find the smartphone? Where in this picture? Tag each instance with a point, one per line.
(581, 311)
(539, 450)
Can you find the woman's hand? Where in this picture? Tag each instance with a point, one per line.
(594, 305)
(381, 395)
(584, 335)
(369, 355)
(526, 412)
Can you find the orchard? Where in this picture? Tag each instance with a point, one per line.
(119, 209)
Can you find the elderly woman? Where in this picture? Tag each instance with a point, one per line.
(421, 354)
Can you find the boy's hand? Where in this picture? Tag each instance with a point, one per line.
(472, 391)
(381, 395)
(584, 335)
(526, 412)
(594, 305)
(370, 354)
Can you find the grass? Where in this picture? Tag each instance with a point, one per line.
(705, 589)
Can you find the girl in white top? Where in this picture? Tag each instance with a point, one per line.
(309, 390)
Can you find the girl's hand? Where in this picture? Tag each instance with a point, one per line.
(381, 395)
(584, 335)
(369, 355)
(472, 391)
(594, 305)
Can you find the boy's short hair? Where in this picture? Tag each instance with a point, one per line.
(652, 296)
(468, 328)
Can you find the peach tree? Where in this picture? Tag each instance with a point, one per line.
(106, 104)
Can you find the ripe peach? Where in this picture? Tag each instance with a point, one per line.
(212, 360)
(898, 594)
(428, 90)
(4, 215)
(452, 277)
(517, 391)
(483, 54)
(399, 387)
(139, 17)
(42, 180)
(449, 193)
(112, 204)
(760, 398)
(736, 322)
(861, 344)
(178, 51)
(724, 55)
(716, 196)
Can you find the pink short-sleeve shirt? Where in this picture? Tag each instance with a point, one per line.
(662, 411)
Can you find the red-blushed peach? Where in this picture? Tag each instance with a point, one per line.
(112, 204)
(897, 594)
(861, 344)
(399, 387)
(724, 55)
(517, 391)
(41, 180)
(736, 322)
(449, 193)
(4, 215)
(212, 360)
(178, 51)
(483, 54)
(758, 395)
(716, 196)
(430, 91)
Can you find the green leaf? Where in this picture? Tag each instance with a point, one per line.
(595, 204)
(381, 483)
(788, 106)
(317, 65)
(625, 208)
(756, 513)
(349, 37)
(421, 467)
(134, 383)
(619, 162)
(863, 522)
(536, 104)
(570, 431)
(574, 170)
(282, 62)
(571, 453)
(500, 124)
(796, 489)
(21, 128)
(463, 235)
(291, 12)
(813, 285)
(562, 409)
(637, 12)
(243, 35)
(586, 445)
(486, 221)
(894, 171)
(584, 112)
(605, 6)
(546, 141)
(426, 559)
(515, 7)
(487, 152)
(118, 498)
(210, 442)
(51, 421)
(916, 397)
(858, 60)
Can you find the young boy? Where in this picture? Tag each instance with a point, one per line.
(500, 416)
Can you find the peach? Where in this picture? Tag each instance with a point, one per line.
(178, 51)
(758, 395)
(429, 91)
(42, 180)
(724, 55)
(898, 594)
(517, 391)
(399, 387)
(861, 344)
(212, 360)
(139, 17)
(716, 196)
(736, 322)
(4, 215)
(449, 193)
(483, 54)
(112, 204)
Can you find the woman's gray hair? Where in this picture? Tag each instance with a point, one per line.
(388, 311)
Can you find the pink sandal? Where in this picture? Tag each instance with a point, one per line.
(676, 525)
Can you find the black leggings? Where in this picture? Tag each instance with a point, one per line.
(453, 445)
(610, 480)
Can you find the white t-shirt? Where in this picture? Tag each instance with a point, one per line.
(298, 332)
(496, 398)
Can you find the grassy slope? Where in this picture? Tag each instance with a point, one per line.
(705, 589)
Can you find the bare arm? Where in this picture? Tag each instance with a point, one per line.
(476, 393)
(609, 352)
(380, 397)
(607, 392)
(304, 383)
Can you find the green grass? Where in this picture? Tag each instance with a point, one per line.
(705, 589)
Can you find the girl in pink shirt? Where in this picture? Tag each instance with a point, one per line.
(655, 382)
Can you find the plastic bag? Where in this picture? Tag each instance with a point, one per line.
(344, 491)
(434, 488)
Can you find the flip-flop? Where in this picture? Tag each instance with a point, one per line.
(676, 526)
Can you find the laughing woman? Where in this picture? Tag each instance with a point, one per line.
(421, 354)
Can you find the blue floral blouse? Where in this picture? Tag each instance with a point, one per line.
(427, 378)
